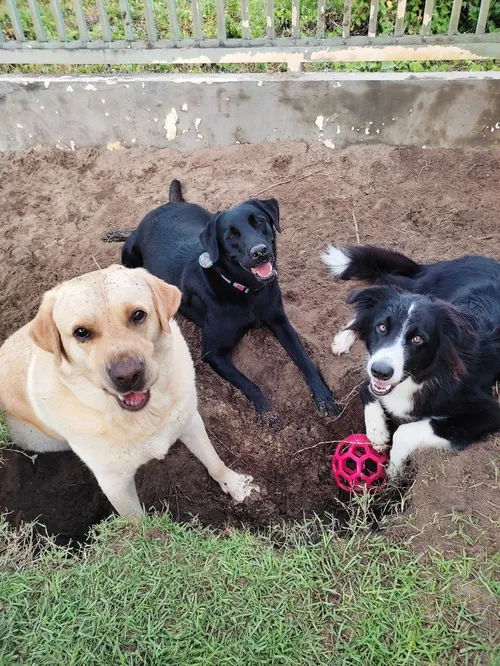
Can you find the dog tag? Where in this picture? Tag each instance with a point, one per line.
(205, 260)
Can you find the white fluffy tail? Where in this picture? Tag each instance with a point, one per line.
(336, 260)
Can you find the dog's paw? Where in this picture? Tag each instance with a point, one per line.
(239, 486)
(376, 427)
(327, 406)
(343, 342)
(271, 420)
(395, 470)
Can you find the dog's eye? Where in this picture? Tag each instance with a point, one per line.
(381, 328)
(259, 223)
(417, 340)
(82, 334)
(138, 316)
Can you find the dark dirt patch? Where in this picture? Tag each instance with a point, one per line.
(430, 204)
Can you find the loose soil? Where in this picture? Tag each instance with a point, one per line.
(430, 204)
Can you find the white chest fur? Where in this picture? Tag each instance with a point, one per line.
(401, 401)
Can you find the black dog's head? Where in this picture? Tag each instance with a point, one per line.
(244, 236)
(409, 335)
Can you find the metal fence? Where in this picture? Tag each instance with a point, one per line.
(131, 35)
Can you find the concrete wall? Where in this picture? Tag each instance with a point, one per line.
(191, 111)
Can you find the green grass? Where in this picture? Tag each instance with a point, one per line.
(162, 593)
(4, 433)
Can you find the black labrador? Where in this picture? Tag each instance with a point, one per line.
(225, 266)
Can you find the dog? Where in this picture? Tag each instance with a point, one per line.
(103, 369)
(433, 337)
(225, 266)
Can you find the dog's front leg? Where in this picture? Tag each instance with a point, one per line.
(375, 420)
(218, 356)
(411, 436)
(290, 341)
(344, 340)
(116, 481)
(195, 437)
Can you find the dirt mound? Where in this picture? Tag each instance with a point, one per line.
(431, 204)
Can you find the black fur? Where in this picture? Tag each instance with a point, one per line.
(169, 241)
(456, 312)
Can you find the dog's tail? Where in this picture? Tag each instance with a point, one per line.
(117, 236)
(367, 263)
(175, 192)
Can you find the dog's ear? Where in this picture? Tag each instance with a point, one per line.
(271, 208)
(43, 330)
(369, 297)
(208, 238)
(166, 299)
(457, 337)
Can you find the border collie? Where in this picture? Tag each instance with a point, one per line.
(433, 337)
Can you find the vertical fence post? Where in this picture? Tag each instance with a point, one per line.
(80, 20)
(346, 21)
(320, 24)
(103, 20)
(245, 19)
(372, 25)
(427, 20)
(37, 21)
(172, 19)
(150, 21)
(16, 22)
(400, 19)
(195, 9)
(270, 20)
(221, 20)
(483, 17)
(295, 19)
(454, 17)
(127, 20)
(55, 7)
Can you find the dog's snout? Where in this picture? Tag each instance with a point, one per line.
(259, 252)
(382, 370)
(128, 375)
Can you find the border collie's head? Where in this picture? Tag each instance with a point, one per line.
(408, 335)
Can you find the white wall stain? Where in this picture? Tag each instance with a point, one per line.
(197, 127)
(72, 144)
(115, 145)
(184, 107)
(338, 129)
(89, 86)
(269, 22)
(69, 89)
(170, 125)
(46, 84)
(19, 126)
(319, 122)
(328, 143)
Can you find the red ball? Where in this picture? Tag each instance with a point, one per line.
(357, 466)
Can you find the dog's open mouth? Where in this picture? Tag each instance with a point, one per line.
(133, 401)
(379, 387)
(264, 271)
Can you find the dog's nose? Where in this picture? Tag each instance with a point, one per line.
(382, 370)
(259, 252)
(128, 375)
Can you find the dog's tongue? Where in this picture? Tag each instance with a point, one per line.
(133, 399)
(263, 271)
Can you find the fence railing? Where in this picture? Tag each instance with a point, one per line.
(195, 32)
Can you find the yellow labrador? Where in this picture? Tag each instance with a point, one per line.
(103, 369)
